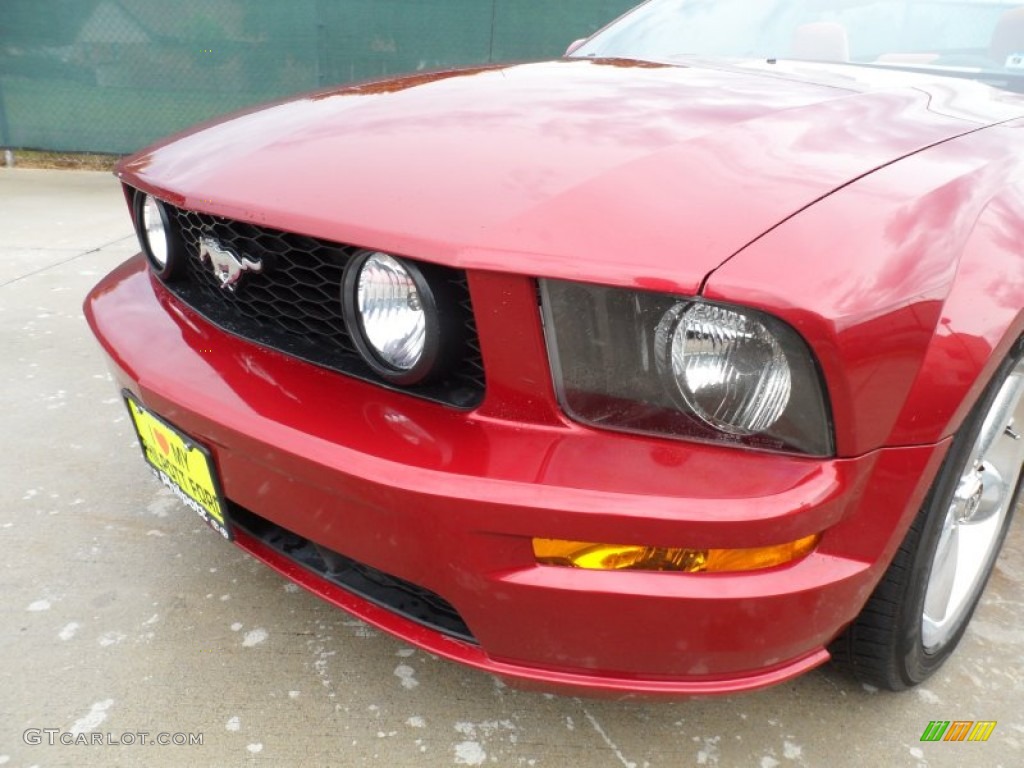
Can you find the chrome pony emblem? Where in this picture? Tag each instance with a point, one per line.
(226, 265)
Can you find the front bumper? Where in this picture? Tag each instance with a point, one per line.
(450, 501)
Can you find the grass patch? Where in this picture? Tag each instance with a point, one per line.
(65, 161)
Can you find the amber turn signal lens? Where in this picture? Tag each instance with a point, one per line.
(632, 557)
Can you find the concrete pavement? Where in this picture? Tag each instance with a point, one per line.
(121, 613)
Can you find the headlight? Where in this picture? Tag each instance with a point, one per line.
(659, 364)
(393, 309)
(728, 367)
(156, 236)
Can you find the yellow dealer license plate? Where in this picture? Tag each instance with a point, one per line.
(184, 467)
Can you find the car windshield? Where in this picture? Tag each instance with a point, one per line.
(966, 38)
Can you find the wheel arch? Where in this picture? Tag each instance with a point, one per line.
(982, 319)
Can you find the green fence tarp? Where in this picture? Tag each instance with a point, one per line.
(115, 75)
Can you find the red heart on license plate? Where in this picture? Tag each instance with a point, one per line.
(162, 442)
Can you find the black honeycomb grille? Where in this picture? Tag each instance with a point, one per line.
(293, 304)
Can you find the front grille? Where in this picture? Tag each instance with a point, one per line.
(293, 305)
(402, 597)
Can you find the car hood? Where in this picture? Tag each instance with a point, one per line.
(624, 172)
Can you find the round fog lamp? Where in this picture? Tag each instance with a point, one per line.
(729, 368)
(154, 227)
(391, 311)
(156, 236)
(392, 314)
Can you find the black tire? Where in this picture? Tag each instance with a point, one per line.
(884, 646)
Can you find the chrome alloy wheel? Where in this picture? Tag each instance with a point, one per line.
(974, 522)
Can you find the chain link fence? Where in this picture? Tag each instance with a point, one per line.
(114, 75)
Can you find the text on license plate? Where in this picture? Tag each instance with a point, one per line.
(181, 465)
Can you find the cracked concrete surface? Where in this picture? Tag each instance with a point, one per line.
(121, 613)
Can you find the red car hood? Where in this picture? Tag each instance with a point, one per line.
(634, 174)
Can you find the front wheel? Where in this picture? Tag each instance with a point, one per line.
(921, 608)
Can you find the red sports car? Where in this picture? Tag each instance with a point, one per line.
(678, 365)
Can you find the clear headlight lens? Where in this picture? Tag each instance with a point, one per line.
(154, 233)
(657, 364)
(391, 310)
(729, 368)
(154, 230)
(407, 319)
(158, 237)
